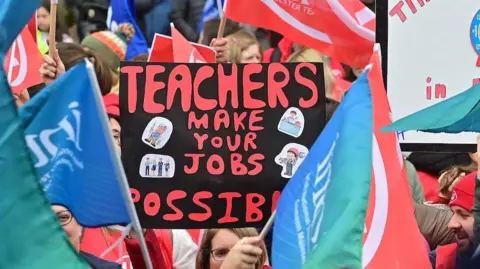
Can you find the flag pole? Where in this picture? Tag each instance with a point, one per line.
(120, 172)
(53, 27)
(268, 226)
(223, 20)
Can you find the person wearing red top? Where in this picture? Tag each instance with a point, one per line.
(459, 254)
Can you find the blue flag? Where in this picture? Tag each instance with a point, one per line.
(460, 113)
(210, 12)
(321, 213)
(73, 151)
(122, 11)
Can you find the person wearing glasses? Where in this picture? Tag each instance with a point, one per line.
(74, 233)
(231, 249)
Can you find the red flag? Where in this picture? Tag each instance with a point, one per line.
(183, 51)
(392, 236)
(32, 26)
(162, 50)
(340, 87)
(22, 63)
(341, 29)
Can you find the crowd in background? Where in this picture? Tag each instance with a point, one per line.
(442, 185)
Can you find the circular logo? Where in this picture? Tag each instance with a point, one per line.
(475, 32)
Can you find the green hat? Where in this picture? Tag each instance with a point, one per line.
(112, 46)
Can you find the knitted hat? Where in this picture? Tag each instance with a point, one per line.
(112, 46)
(111, 102)
(463, 194)
(294, 151)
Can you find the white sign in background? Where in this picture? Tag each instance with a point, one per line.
(432, 43)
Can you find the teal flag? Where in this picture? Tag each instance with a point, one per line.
(30, 232)
(460, 113)
(321, 213)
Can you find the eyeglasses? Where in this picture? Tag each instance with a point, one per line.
(64, 217)
(219, 254)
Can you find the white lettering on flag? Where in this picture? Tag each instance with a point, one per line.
(288, 18)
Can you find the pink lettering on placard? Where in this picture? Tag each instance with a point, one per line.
(439, 90)
(398, 10)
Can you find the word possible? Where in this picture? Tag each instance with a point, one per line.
(180, 79)
(399, 11)
(153, 204)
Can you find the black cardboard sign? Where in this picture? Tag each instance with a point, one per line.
(207, 145)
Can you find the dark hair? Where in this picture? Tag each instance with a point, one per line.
(140, 58)
(330, 108)
(60, 29)
(71, 54)
(210, 30)
(293, 111)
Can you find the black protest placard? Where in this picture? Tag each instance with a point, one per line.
(207, 145)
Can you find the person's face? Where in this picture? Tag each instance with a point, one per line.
(292, 114)
(222, 242)
(160, 159)
(161, 130)
(69, 225)
(116, 129)
(462, 224)
(251, 55)
(43, 19)
(290, 155)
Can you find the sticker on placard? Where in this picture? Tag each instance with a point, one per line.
(292, 122)
(290, 158)
(157, 166)
(158, 132)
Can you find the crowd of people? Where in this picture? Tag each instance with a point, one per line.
(442, 185)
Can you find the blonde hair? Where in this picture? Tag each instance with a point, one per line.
(310, 55)
(451, 176)
(203, 255)
(238, 42)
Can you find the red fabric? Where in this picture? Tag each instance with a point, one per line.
(22, 66)
(96, 240)
(267, 267)
(162, 50)
(430, 185)
(340, 87)
(463, 194)
(340, 34)
(161, 257)
(32, 26)
(393, 234)
(446, 257)
(285, 46)
(159, 244)
(196, 235)
(337, 69)
(183, 51)
(111, 102)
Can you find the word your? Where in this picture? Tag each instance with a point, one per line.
(180, 79)
(399, 11)
(440, 90)
(153, 204)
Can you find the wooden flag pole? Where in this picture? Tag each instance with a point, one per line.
(268, 226)
(53, 27)
(223, 20)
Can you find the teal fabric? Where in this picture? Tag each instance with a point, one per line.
(457, 114)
